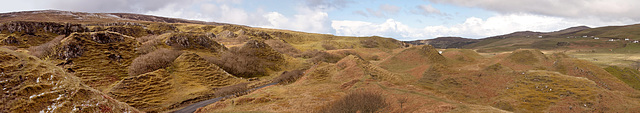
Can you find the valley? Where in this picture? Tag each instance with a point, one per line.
(63, 61)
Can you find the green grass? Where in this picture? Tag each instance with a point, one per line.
(629, 76)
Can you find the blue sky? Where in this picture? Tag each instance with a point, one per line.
(399, 19)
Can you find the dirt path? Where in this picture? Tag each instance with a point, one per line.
(193, 107)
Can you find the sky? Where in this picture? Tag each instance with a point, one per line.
(400, 19)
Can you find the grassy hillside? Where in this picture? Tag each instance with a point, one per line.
(32, 85)
(60, 61)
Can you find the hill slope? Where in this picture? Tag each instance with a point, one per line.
(132, 62)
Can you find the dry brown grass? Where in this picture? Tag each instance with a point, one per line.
(288, 76)
(357, 102)
(328, 47)
(158, 59)
(45, 49)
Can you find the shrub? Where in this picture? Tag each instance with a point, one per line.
(288, 76)
(158, 59)
(231, 90)
(322, 56)
(369, 43)
(241, 64)
(282, 47)
(144, 39)
(45, 49)
(148, 46)
(357, 101)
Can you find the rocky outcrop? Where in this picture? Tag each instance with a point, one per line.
(134, 31)
(194, 41)
(11, 40)
(32, 28)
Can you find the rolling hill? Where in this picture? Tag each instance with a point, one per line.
(62, 61)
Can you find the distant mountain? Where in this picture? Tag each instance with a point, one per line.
(445, 42)
(533, 34)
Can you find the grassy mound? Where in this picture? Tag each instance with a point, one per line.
(413, 57)
(582, 68)
(189, 78)
(462, 55)
(32, 85)
(526, 59)
(629, 76)
(352, 66)
(538, 90)
(99, 58)
(547, 91)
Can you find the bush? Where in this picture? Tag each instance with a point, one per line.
(357, 102)
(241, 64)
(155, 60)
(144, 39)
(369, 43)
(288, 76)
(282, 47)
(148, 46)
(231, 90)
(45, 49)
(322, 56)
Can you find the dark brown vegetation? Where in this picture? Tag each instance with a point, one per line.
(232, 89)
(282, 47)
(158, 59)
(288, 76)
(322, 56)
(45, 49)
(357, 102)
(241, 64)
(254, 59)
(369, 43)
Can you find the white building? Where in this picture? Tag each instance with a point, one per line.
(635, 41)
(596, 38)
(626, 39)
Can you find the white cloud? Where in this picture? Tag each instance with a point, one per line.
(383, 11)
(327, 4)
(389, 8)
(306, 19)
(472, 28)
(115, 5)
(361, 13)
(612, 10)
(426, 10)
